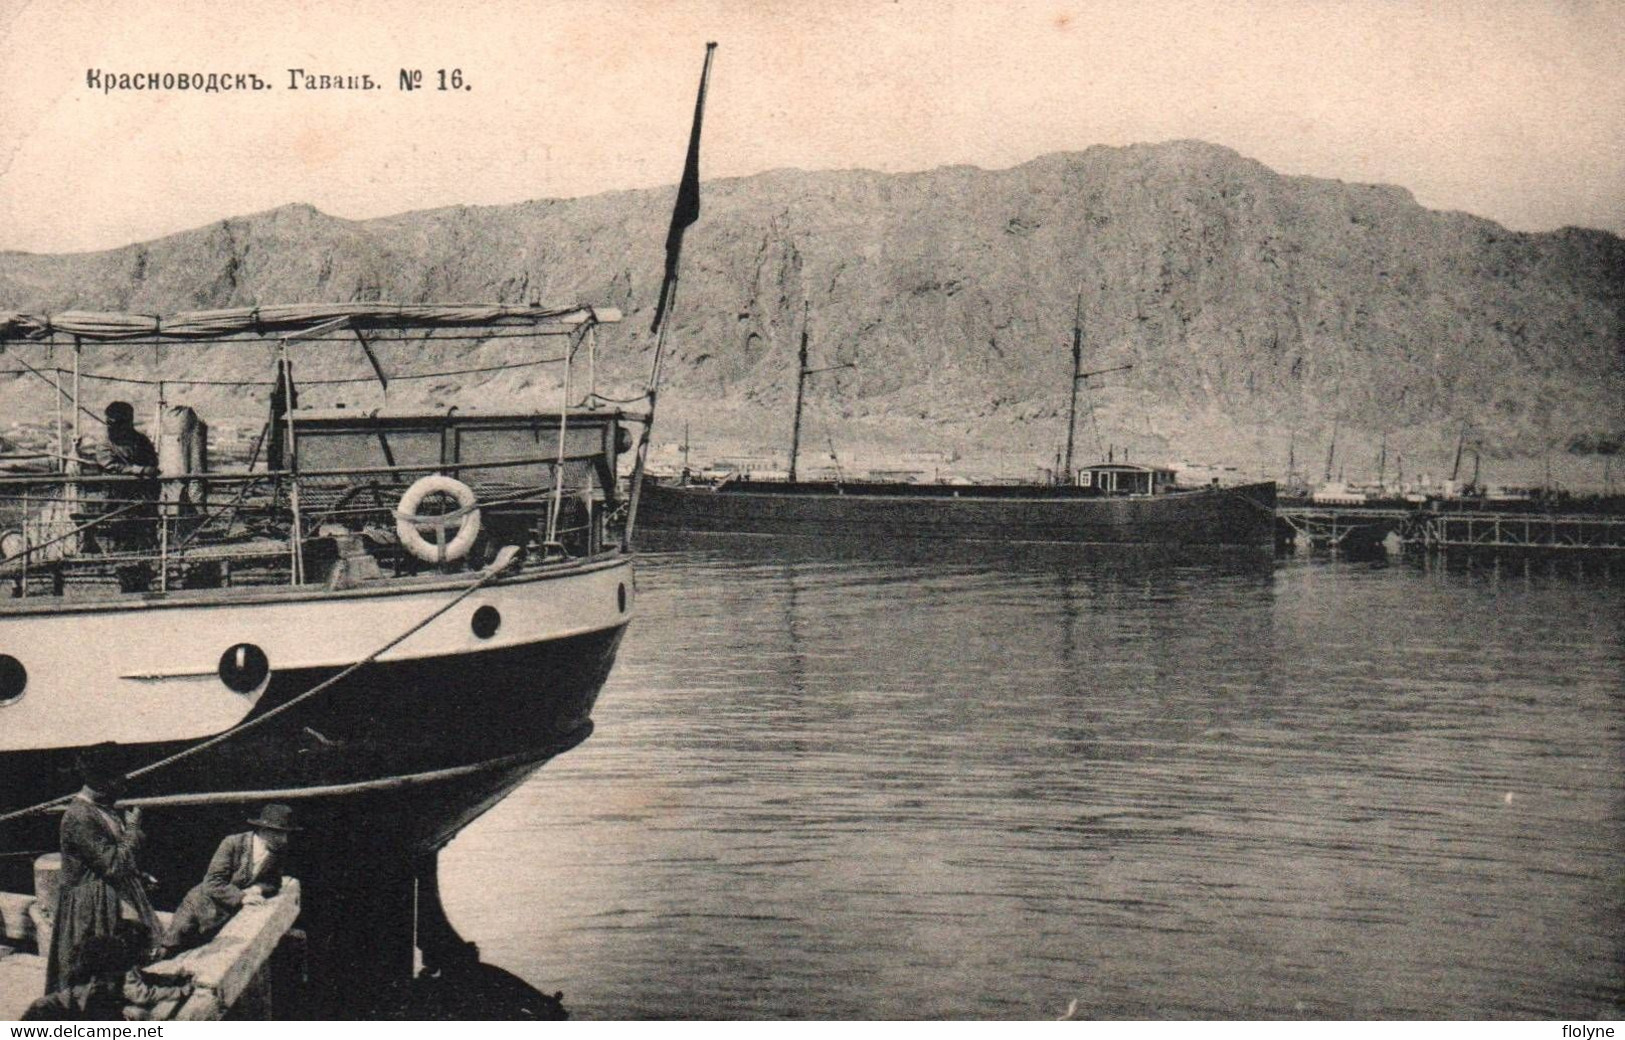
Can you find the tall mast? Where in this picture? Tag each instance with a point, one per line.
(801, 388)
(1331, 451)
(683, 214)
(1077, 368)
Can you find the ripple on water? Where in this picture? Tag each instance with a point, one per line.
(837, 783)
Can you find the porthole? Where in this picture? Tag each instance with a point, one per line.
(244, 667)
(13, 680)
(620, 596)
(486, 621)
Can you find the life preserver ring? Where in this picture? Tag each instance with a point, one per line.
(408, 525)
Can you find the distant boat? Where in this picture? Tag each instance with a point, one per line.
(1241, 515)
(1108, 503)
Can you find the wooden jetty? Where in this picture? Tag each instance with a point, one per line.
(1435, 526)
(1560, 532)
(231, 975)
(1341, 528)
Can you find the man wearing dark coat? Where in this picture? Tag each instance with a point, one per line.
(246, 870)
(99, 870)
(132, 514)
(126, 450)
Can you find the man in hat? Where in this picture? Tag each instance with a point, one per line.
(245, 871)
(125, 450)
(99, 871)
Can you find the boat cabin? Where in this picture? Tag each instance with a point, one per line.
(332, 496)
(352, 463)
(1123, 478)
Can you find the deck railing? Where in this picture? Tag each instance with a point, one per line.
(61, 527)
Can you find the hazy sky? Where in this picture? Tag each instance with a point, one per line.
(1514, 111)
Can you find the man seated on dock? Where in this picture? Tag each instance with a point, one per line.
(107, 984)
(246, 870)
(144, 999)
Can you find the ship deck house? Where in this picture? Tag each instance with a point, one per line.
(1123, 478)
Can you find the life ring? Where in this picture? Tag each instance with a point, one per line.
(408, 524)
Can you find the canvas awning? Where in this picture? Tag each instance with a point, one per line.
(286, 319)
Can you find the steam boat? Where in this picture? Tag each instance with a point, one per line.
(387, 619)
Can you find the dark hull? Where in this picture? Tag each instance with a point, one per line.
(1243, 515)
(386, 767)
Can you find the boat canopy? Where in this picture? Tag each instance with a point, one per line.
(305, 416)
(289, 319)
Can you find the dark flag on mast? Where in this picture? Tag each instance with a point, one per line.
(687, 210)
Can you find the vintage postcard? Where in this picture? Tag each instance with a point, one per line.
(917, 510)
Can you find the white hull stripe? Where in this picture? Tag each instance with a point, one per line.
(139, 676)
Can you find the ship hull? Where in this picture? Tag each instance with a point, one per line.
(1242, 515)
(385, 765)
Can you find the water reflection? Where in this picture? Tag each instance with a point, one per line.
(842, 781)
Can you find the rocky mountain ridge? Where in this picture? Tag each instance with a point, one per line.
(1258, 311)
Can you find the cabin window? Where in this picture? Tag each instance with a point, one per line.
(13, 680)
(244, 667)
(1085, 478)
(486, 621)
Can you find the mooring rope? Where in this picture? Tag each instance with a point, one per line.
(505, 560)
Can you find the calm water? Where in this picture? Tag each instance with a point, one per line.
(933, 783)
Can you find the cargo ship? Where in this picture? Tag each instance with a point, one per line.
(1112, 503)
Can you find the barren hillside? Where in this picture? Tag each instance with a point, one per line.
(1256, 309)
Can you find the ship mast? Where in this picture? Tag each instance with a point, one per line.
(802, 372)
(1461, 440)
(1078, 366)
(685, 213)
(1080, 378)
(1331, 451)
(1072, 410)
(801, 389)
